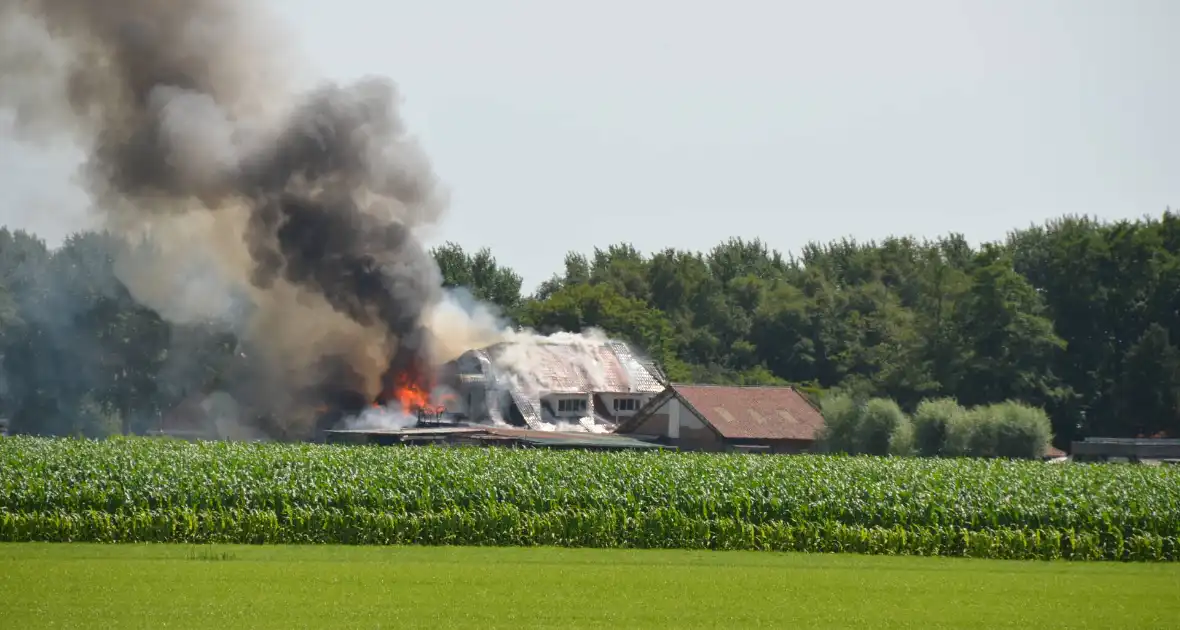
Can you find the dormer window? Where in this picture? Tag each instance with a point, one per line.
(626, 404)
(571, 404)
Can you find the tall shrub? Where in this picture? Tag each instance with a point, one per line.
(1022, 431)
(1008, 429)
(968, 435)
(841, 422)
(873, 427)
(884, 428)
(931, 421)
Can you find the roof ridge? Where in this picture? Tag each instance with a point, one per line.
(790, 387)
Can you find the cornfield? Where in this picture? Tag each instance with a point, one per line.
(168, 491)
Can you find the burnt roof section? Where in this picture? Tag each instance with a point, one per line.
(743, 413)
(556, 364)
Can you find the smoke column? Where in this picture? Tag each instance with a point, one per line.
(287, 217)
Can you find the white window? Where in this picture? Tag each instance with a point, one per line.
(626, 404)
(571, 404)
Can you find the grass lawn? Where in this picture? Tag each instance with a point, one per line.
(163, 586)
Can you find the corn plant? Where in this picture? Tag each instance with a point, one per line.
(129, 489)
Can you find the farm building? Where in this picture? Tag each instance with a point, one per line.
(1145, 450)
(722, 418)
(577, 385)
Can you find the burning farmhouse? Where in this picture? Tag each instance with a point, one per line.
(287, 219)
(564, 382)
(527, 384)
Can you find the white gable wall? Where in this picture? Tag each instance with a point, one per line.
(679, 417)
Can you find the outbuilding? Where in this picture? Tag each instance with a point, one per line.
(728, 418)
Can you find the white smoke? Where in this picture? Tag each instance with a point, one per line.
(525, 359)
(381, 419)
(587, 425)
(459, 322)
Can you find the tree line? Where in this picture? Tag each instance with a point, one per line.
(1075, 317)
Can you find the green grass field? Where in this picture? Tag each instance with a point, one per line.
(179, 586)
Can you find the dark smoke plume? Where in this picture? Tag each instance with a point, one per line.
(287, 217)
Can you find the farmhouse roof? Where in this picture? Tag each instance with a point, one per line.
(742, 413)
(556, 364)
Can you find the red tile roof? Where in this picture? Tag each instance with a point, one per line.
(762, 413)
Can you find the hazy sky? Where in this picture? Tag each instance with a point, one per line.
(561, 125)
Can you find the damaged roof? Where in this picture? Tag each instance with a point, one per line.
(558, 367)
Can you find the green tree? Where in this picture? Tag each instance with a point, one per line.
(479, 273)
(583, 306)
(1010, 345)
(1147, 393)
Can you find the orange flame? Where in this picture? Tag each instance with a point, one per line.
(410, 395)
(411, 390)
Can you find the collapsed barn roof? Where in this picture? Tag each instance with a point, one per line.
(525, 371)
(558, 368)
